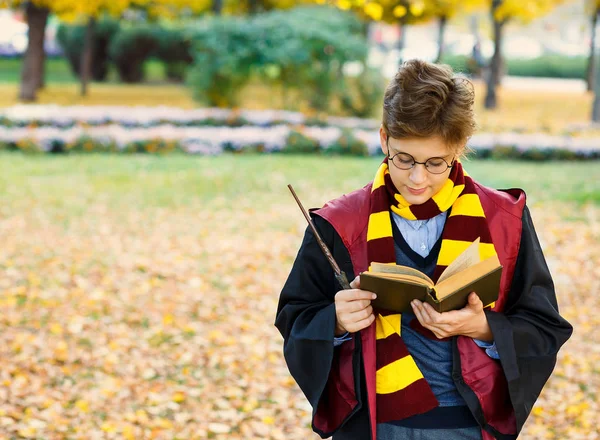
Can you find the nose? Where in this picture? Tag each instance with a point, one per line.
(418, 174)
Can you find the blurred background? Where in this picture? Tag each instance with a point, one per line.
(145, 149)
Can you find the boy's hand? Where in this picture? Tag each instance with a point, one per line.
(468, 321)
(353, 309)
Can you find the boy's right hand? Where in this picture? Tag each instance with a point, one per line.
(353, 309)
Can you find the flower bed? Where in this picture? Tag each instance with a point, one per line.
(213, 131)
(64, 117)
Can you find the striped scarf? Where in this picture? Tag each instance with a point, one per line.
(402, 391)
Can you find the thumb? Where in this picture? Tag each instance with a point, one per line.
(474, 301)
(355, 284)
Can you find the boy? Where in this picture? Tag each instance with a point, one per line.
(472, 373)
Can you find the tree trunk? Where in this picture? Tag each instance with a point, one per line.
(217, 7)
(87, 58)
(441, 31)
(591, 66)
(491, 100)
(33, 61)
(401, 40)
(253, 6)
(474, 25)
(596, 104)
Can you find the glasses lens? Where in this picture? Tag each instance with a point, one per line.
(404, 161)
(436, 165)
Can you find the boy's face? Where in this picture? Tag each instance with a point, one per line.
(417, 184)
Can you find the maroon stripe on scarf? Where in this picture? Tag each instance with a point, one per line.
(465, 228)
(457, 174)
(379, 200)
(390, 349)
(381, 250)
(417, 398)
(427, 210)
(469, 187)
(437, 273)
(384, 312)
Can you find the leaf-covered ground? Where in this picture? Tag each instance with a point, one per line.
(138, 294)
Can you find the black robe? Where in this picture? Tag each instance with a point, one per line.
(528, 334)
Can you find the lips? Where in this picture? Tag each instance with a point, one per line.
(416, 192)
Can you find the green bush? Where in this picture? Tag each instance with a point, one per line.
(547, 66)
(71, 38)
(551, 66)
(348, 145)
(174, 50)
(130, 48)
(224, 57)
(303, 49)
(363, 94)
(298, 143)
(306, 48)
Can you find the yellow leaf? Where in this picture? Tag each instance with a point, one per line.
(108, 427)
(83, 406)
(128, 432)
(400, 11)
(178, 397)
(56, 329)
(374, 10)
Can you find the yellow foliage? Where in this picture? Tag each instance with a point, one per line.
(72, 10)
(400, 11)
(524, 11)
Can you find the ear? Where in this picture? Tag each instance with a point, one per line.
(382, 140)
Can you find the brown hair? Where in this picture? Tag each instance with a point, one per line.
(425, 99)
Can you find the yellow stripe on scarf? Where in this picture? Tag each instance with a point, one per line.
(379, 180)
(379, 225)
(453, 248)
(387, 325)
(397, 375)
(446, 197)
(468, 205)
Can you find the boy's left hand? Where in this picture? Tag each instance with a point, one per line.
(468, 321)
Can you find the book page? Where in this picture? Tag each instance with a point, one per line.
(397, 269)
(457, 281)
(468, 258)
(403, 277)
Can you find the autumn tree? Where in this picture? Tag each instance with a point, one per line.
(443, 11)
(396, 12)
(32, 71)
(592, 9)
(37, 12)
(503, 11)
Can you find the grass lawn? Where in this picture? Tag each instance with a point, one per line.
(138, 293)
(250, 180)
(550, 112)
(58, 71)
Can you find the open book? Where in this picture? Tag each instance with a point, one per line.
(396, 286)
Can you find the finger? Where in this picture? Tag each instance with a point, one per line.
(360, 314)
(363, 323)
(431, 315)
(357, 306)
(419, 314)
(355, 284)
(353, 295)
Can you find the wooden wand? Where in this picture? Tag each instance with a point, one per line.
(339, 275)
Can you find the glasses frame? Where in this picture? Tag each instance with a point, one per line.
(414, 162)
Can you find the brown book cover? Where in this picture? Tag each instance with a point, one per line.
(396, 286)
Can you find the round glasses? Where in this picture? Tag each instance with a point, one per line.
(404, 161)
